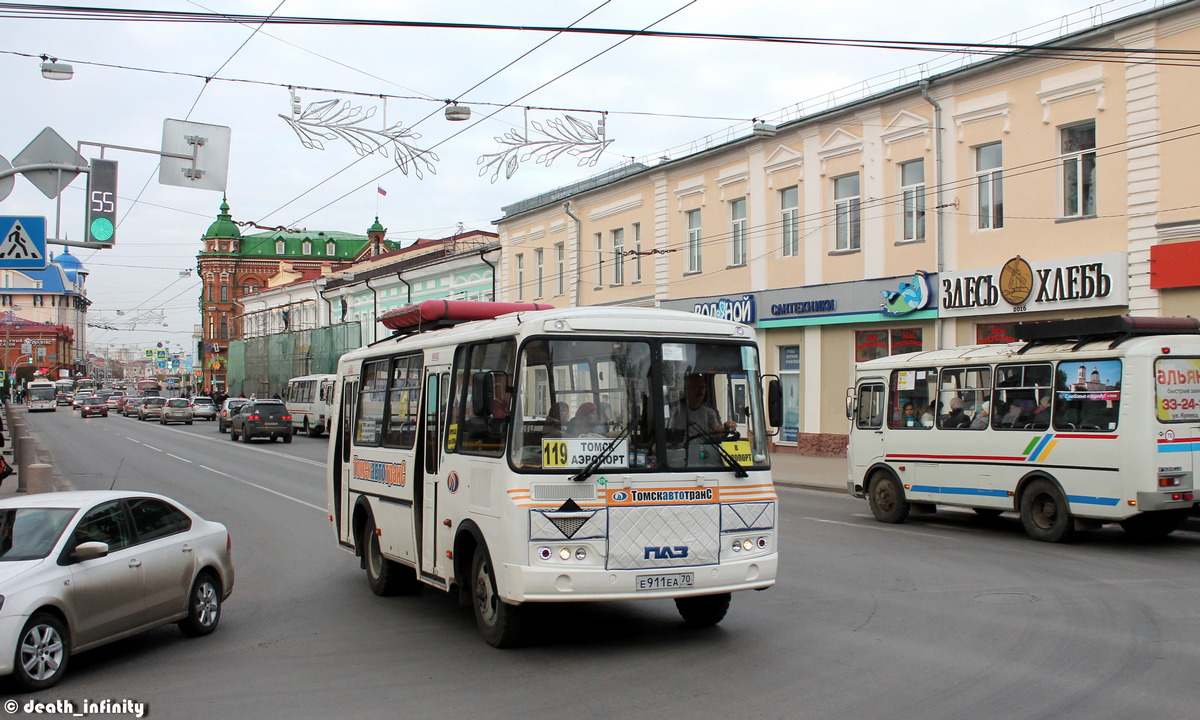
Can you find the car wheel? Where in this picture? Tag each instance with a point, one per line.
(887, 500)
(42, 653)
(246, 435)
(386, 577)
(1044, 513)
(189, 422)
(703, 610)
(499, 622)
(232, 435)
(204, 607)
(287, 438)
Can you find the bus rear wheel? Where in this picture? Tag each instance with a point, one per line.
(703, 610)
(1044, 513)
(498, 621)
(886, 498)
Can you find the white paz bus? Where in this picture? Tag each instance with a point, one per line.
(543, 455)
(1082, 423)
(310, 401)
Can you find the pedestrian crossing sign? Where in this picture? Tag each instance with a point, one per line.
(22, 243)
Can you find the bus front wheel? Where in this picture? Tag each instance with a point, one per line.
(703, 610)
(886, 498)
(499, 622)
(386, 577)
(1044, 513)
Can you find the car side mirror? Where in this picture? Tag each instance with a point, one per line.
(89, 551)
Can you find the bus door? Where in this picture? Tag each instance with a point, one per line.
(342, 456)
(869, 407)
(429, 451)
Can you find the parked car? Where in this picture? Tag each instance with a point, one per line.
(229, 407)
(84, 568)
(131, 406)
(176, 410)
(114, 401)
(64, 398)
(203, 408)
(261, 418)
(151, 407)
(93, 406)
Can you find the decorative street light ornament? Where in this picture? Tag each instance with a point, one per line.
(567, 135)
(326, 120)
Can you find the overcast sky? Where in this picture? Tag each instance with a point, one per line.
(660, 95)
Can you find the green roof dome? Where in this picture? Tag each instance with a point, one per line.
(224, 227)
(376, 227)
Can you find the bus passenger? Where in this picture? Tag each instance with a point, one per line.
(586, 421)
(981, 418)
(956, 418)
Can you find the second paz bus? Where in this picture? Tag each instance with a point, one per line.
(1084, 422)
(514, 453)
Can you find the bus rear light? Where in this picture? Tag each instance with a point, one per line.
(1181, 496)
(1165, 482)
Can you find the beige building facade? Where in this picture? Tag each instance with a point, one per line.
(1037, 185)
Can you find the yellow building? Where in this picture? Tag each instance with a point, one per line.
(1036, 185)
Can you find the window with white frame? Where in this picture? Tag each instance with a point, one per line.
(1079, 170)
(847, 209)
(306, 248)
(331, 248)
(989, 180)
(693, 241)
(539, 261)
(520, 276)
(279, 247)
(599, 260)
(560, 268)
(637, 249)
(737, 231)
(789, 221)
(912, 183)
(618, 255)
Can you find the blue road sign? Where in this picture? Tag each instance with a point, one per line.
(22, 243)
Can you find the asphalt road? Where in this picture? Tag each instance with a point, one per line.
(946, 616)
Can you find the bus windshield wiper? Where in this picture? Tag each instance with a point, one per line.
(706, 436)
(590, 468)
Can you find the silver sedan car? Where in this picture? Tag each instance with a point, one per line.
(81, 569)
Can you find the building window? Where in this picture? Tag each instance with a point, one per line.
(306, 248)
(990, 180)
(995, 333)
(599, 260)
(912, 182)
(560, 268)
(330, 248)
(279, 247)
(224, 328)
(872, 344)
(848, 213)
(539, 257)
(693, 242)
(618, 254)
(1079, 170)
(37, 301)
(224, 292)
(520, 277)
(789, 220)
(737, 231)
(637, 249)
(6, 300)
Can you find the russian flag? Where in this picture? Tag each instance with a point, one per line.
(381, 190)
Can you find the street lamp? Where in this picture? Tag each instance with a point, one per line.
(8, 321)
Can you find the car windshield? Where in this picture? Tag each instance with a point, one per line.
(31, 533)
(202, 401)
(177, 403)
(155, 402)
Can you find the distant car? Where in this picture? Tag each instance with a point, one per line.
(203, 408)
(114, 400)
(176, 410)
(261, 418)
(227, 410)
(131, 406)
(93, 406)
(151, 407)
(82, 569)
(64, 398)
(79, 398)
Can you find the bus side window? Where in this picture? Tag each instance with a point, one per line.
(911, 393)
(1088, 395)
(870, 407)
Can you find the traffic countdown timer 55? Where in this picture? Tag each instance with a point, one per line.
(102, 202)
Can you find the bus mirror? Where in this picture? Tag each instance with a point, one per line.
(775, 403)
(850, 403)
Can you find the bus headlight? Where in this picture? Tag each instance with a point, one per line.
(564, 553)
(581, 554)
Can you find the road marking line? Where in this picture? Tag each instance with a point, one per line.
(189, 462)
(266, 489)
(152, 448)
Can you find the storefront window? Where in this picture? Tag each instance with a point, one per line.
(995, 333)
(789, 378)
(872, 344)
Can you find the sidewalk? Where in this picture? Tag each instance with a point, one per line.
(819, 473)
(15, 426)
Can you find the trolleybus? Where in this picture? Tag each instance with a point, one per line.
(310, 401)
(542, 455)
(1081, 423)
(40, 395)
